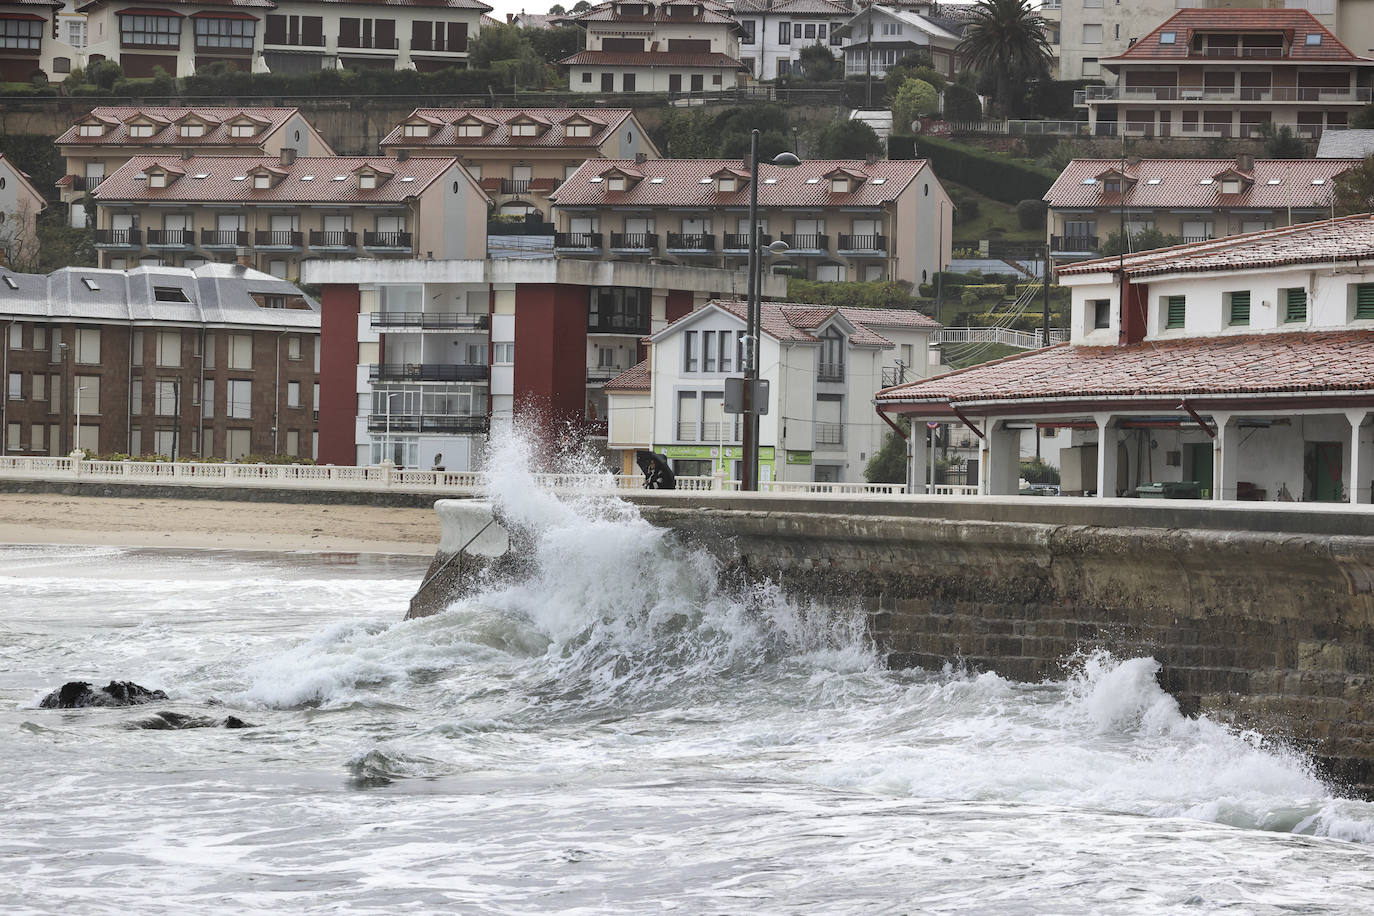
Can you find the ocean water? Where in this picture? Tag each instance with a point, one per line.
(615, 735)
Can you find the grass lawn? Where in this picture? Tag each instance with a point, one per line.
(992, 214)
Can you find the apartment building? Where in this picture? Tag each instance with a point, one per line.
(877, 37)
(1229, 72)
(774, 33)
(100, 142)
(276, 213)
(183, 36)
(842, 219)
(30, 42)
(643, 46)
(20, 204)
(217, 362)
(1194, 199)
(519, 155)
(822, 365)
(423, 358)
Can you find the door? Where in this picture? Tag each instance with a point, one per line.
(698, 82)
(1200, 463)
(1323, 466)
(608, 82)
(675, 82)
(627, 82)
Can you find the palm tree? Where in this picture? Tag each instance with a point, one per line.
(1007, 38)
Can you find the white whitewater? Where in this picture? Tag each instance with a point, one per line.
(615, 735)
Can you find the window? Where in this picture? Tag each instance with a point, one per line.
(40, 337)
(16, 336)
(1314, 38)
(585, 130)
(209, 351)
(503, 354)
(191, 130)
(16, 388)
(240, 351)
(168, 403)
(243, 130)
(238, 442)
(784, 33)
(12, 439)
(1175, 309)
(36, 437)
(1091, 67)
(1092, 4)
(262, 180)
(20, 34)
(367, 181)
(1364, 301)
(839, 184)
(1101, 311)
(140, 130)
(88, 346)
(91, 130)
(1168, 38)
(293, 347)
(524, 130)
(136, 397)
(475, 130)
(86, 394)
(1295, 304)
(1092, 33)
(892, 28)
(415, 130)
(1230, 186)
(689, 351)
(748, 26)
(293, 394)
(169, 348)
(169, 294)
(40, 387)
(225, 33)
(207, 401)
(157, 179)
(239, 404)
(809, 32)
(1239, 307)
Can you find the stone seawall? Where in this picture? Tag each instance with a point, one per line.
(1259, 615)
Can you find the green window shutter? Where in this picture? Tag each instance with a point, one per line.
(1176, 308)
(1364, 300)
(1240, 308)
(1297, 305)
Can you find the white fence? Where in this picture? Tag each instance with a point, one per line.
(382, 478)
(1025, 340)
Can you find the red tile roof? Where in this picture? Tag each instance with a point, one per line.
(796, 321)
(216, 135)
(1347, 238)
(1175, 183)
(653, 59)
(1245, 365)
(636, 378)
(310, 179)
(712, 12)
(605, 123)
(256, 4)
(793, 8)
(1296, 24)
(681, 184)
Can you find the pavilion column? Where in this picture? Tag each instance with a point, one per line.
(1001, 459)
(1108, 440)
(917, 458)
(1225, 457)
(1361, 455)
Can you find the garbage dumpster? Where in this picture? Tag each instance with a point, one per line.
(1150, 491)
(1186, 489)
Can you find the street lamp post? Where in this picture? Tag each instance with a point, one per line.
(77, 444)
(66, 392)
(753, 321)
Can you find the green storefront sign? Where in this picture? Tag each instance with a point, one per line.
(798, 457)
(722, 458)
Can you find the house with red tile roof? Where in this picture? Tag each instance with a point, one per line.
(841, 219)
(520, 155)
(677, 46)
(101, 141)
(821, 363)
(776, 32)
(20, 204)
(1237, 368)
(1228, 72)
(1194, 199)
(29, 43)
(275, 213)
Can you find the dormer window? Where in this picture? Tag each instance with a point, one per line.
(242, 130)
(191, 129)
(140, 130)
(839, 184)
(615, 183)
(727, 183)
(471, 129)
(90, 130)
(1230, 186)
(157, 179)
(577, 130)
(262, 180)
(1111, 185)
(524, 129)
(415, 130)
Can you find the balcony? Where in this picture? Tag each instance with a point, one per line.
(863, 244)
(389, 241)
(709, 431)
(596, 375)
(690, 243)
(438, 321)
(431, 46)
(830, 372)
(289, 39)
(223, 238)
(422, 423)
(171, 238)
(284, 239)
(369, 43)
(515, 185)
(1326, 95)
(577, 241)
(632, 242)
(829, 433)
(738, 242)
(83, 183)
(118, 238)
(807, 243)
(333, 238)
(634, 325)
(894, 375)
(428, 372)
(1073, 244)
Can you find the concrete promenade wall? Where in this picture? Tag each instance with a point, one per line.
(1259, 614)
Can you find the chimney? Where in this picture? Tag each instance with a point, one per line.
(186, 154)
(641, 158)
(243, 259)
(1245, 162)
(288, 155)
(871, 158)
(402, 155)
(510, 17)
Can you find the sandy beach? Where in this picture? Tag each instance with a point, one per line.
(43, 518)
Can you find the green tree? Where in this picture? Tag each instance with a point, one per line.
(581, 6)
(903, 72)
(1281, 142)
(104, 73)
(1145, 240)
(497, 42)
(848, 140)
(817, 63)
(888, 464)
(877, 294)
(1354, 191)
(557, 10)
(1006, 40)
(915, 98)
(961, 104)
(555, 44)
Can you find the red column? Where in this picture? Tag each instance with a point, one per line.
(339, 306)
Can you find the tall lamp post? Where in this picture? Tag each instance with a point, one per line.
(65, 394)
(753, 320)
(77, 444)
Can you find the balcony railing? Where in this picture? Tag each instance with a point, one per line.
(894, 375)
(1360, 95)
(369, 44)
(1073, 243)
(577, 241)
(277, 238)
(635, 325)
(119, 238)
(739, 241)
(806, 241)
(598, 374)
(423, 423)
(400, 240)
(863, 243)
(223, 238)
(292, 40)
(333, 238)
(430, 44)
(171, 238)
(435, 320)
(428, 372)
(634, 241)
(829, 433)
(831, 372)
(691, 241)
(86, 182)
(720, 431)
(515, 185)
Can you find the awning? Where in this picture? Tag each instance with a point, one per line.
(222, 14)
(26, 17)
(148, 11)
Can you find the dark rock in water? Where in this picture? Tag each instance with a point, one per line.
(78, 694)
(236, 722)
(165, 721)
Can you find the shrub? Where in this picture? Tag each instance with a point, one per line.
(961, 104)
(992, 174)
(104, 73)
(1031, 213)
(38, 79)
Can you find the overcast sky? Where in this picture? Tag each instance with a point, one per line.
(501, 7)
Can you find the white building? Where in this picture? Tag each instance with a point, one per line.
(1236, 368)
(880, 36)
(775, 33)
(822, 365)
